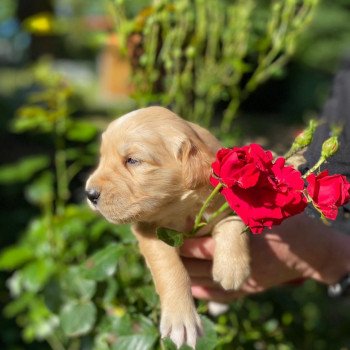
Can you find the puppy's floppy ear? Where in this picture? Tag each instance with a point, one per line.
(196, 164)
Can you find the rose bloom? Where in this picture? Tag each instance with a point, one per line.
(241, 165)
(262, 192)
(328, 192)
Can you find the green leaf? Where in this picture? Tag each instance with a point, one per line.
(123, 232)
(81, 131)
(135, 342)
(33, 118)
(46, 327)
(101, 341)
(77, 318)
(114, 324)
(126, 333)
(34, 275)
(148, 294)
(23, 170)
(40, 192)
(42, 322)
(53, 295)
(18, 305)
(171, 237)
(102, 264)
(79, 287)
(14, 284)
(13, 257)
(110, 292)
(210, 339)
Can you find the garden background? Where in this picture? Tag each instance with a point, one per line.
(249, 70)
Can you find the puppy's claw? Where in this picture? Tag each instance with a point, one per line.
(178, 336)
(192, 332)
(181, 329)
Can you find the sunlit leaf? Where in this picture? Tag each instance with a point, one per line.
(18, 305)
(81, 131)
(114, 324)
(141, 335)
(77, 318)
(15, 256)
(102, 341)
(43, 322)
(170, 237)
(148, 294)
(77, 286)
(34, 275)
(135, 342)
(14, 284)
(103, 263)
(33, 118)
(40, 192)
(23, 170)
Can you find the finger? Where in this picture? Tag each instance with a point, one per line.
(200, 248)
(215, 294)
(198, 268)
(204, 282)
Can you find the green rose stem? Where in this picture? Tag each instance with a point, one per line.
(219, 211)
(315, 167)
(198, 222)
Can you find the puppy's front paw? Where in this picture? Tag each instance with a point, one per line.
(181, 327)
(231, 271)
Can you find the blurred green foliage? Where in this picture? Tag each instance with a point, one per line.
(195, 54)
(78, 282)
(328, 37)
(65, 286)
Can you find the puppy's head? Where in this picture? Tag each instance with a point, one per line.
(149, 159)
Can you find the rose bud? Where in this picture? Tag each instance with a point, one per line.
(330, 147)
(305, 137)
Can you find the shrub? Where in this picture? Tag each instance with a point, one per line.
(194, 54)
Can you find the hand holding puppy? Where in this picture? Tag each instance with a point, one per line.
(301, 247)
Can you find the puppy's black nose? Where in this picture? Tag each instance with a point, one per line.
(93, 195)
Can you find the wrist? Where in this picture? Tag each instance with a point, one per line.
(337, 264)
(313, 249)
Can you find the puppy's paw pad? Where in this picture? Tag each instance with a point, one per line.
(181, 329)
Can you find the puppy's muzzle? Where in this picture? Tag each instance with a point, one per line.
(93, 195)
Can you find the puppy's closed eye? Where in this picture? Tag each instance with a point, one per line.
(132, 161)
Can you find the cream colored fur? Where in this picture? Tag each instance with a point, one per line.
(165, 187)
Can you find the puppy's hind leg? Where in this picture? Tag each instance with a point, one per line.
(231, 265)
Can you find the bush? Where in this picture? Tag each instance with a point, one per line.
(196, 54)
(79, 282)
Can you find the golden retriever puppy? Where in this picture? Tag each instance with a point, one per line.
(154, 172)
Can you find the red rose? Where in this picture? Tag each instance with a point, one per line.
(261, 192)
(240, 165)
(328, 192)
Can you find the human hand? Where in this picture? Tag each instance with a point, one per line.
(299, 248)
